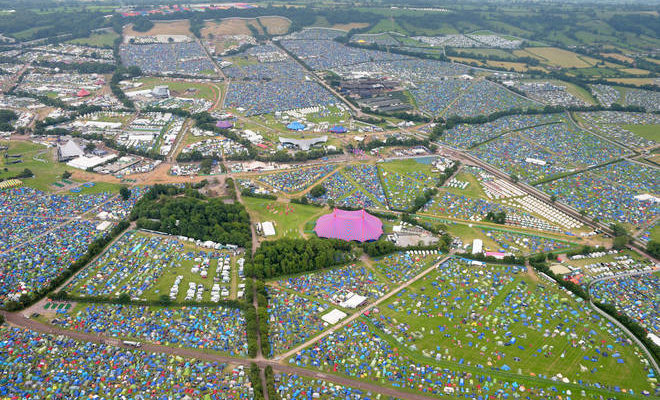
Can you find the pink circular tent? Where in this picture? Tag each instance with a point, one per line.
(349, 225)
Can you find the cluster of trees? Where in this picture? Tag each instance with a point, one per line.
(249, 193)
(262, 314)
(255, 379)
(6, 118)
(26, 173)
(317, 191)
(539, 262)
(299, 156)
(393, 141)
(83, 67)
(621, 236)
(67, 23)
(119, 74)
(124, 192)
(196, 25)
(142, 24)
(231, 188)
(653, 248)
(270, 384)
(186, 212)
(421, 200)
(383, 247)
(291, 256)
(496, 217)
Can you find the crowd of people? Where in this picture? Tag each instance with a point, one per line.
(219, 328)
(42, 366)
(608, 192)
(188, 58)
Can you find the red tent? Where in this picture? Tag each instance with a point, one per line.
(82, 93)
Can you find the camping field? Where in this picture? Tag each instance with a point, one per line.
(505, 318)
(145, 266)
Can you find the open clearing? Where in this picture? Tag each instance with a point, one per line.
(348, 27)
(287, 218)
(651, 132)
(518, 67)
(275, 25)
(559, 57)
(618, 56)
(106, 39)
(633, 81)
(38, 159)
(181, 27)
(180, 88)
(230, 26)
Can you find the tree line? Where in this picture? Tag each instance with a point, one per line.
(290, 256)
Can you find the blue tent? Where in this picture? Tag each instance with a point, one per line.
(338, 129)
(295, 126)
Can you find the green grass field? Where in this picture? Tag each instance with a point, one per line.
(289, 219)
(404, 180)
(183, 89)
(45, 172)
(104, 40)
(531, 327)
(651, 132)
